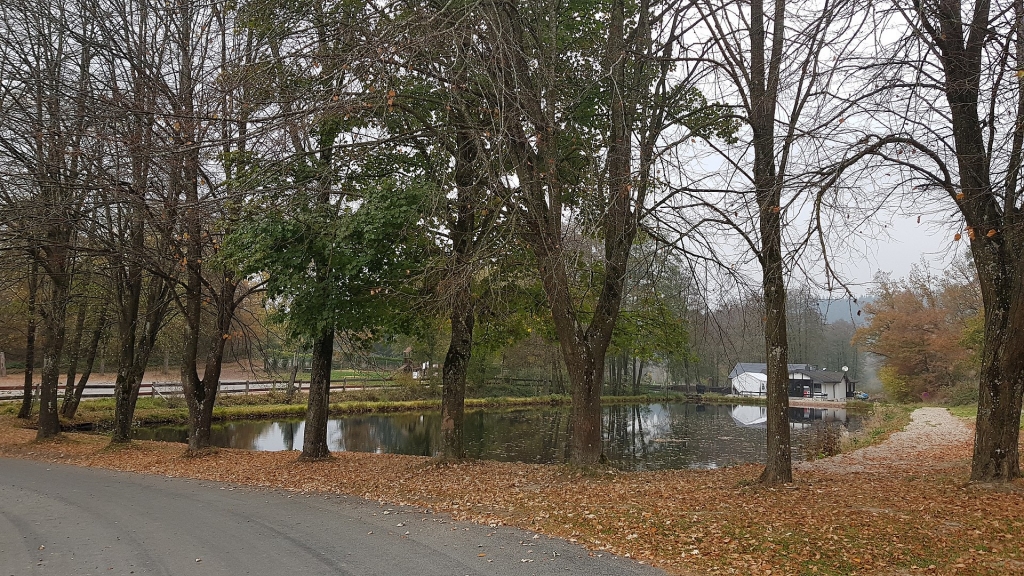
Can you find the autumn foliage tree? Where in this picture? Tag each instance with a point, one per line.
(925, 330)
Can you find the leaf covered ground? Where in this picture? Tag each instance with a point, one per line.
(917, 516)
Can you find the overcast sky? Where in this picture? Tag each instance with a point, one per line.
(903, 243)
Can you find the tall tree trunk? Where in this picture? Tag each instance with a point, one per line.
(133, 356)
(289, 392)
(53, 346)
(201, 395)
(585, 378)
(995, 232)
(456, 362)
(764, 87)
(192, 386)
(30, 341)
(778, 466)
(460, 347)
(584, 348)
(54, 316)
(74, 351)
(635, 376)
(314, 440)
(997, 427)
(69, 407)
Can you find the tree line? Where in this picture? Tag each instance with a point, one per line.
(364, 166)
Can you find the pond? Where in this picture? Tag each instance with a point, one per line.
(636, 436)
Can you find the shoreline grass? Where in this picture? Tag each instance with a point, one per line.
(99, 413)
(882, 421)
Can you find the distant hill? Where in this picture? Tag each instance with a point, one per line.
(846, 309)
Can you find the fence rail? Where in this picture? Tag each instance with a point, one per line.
(106, 389)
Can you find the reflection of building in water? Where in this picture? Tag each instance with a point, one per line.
(757, 416)
(750, 416)
(814, 414)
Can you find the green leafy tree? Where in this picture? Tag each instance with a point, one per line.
(341, 266)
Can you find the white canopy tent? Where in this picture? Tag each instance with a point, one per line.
(750, 384)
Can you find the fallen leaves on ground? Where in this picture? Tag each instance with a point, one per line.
(923, 518)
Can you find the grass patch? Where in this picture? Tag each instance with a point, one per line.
(152, 411)
(860, 406)
(826, 440)
(971, 412)
(883, 420)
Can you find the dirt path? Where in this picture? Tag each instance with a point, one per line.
(933, 439)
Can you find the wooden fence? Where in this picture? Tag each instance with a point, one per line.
(157, 389)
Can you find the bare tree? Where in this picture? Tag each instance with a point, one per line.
(47, 58)
(778, 65)
(943, 112)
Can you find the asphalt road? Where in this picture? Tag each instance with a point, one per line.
(66, 521)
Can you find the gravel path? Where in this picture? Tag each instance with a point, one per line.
(933, 439)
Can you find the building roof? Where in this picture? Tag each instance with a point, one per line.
(762, 368)
(816, 376)
(823, 376)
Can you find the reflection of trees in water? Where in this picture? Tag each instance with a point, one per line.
(244, 435)
(412, 434)
(635, 436)
(624, 432)
(162, 433)
(524, 435)
(288, 430)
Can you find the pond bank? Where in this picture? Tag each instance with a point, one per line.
(99, 413)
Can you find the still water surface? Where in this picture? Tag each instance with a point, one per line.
(637, 436)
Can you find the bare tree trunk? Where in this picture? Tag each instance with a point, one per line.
(69, 407)
(201, 395)
(635, 377)
(30, 341)
(778, 466)
(54, 316)
(764, 87)
(456, 362)
(134, 355)
(74, 351)
(997, 427)
(314, 440)
(585, 443)
(289, 392)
